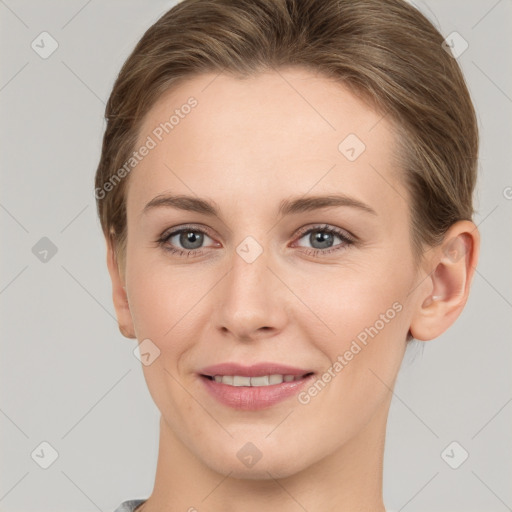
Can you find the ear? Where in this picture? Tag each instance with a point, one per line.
(444, 292)
(120, 298)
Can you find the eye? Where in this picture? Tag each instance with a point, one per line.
(322, 240)
(187, 240)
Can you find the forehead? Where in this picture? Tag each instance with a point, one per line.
(273, 134)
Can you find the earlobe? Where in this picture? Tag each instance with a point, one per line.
(119, 295)
(445, 290)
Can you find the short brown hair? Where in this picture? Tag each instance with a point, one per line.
(385, 51)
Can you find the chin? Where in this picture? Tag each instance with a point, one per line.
(275, 465)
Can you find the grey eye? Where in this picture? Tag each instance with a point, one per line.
(188, 239)
(320, 238)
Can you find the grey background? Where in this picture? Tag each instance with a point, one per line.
(69, 378)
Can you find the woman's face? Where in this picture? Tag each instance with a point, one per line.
(269, 272)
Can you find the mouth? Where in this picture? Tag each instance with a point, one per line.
(259, 381)
(256, 387)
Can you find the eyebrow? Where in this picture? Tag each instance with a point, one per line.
(286, 206)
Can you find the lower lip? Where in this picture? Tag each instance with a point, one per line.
(250, 398)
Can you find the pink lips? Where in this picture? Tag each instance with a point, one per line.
(251, 398)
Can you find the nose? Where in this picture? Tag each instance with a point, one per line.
(251, 301)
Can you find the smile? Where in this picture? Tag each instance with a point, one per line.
(254, 393)
(264, 380)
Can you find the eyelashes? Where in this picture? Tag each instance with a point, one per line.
(163, 241)
(346, 238)
(200, 234)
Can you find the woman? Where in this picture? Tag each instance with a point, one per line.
(285, 189)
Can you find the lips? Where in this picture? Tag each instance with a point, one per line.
(239, 387)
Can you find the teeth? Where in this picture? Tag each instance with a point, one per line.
(264, 380)
(275, 379)
(260, 381)
(241, 381)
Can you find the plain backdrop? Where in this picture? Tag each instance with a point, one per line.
(68, 378)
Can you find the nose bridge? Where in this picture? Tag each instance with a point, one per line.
(251, 298)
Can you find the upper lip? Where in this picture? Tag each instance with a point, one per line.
(255, 370)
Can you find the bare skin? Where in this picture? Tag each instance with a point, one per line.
(248, 145)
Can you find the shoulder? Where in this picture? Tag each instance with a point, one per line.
(129, 506)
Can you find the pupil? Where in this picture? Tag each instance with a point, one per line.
(191, 237)
(323, 237)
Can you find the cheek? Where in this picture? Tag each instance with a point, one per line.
(353, 299)
(155, 290)
(365, 311)
(365, 349)
(162, 307)
(165, 301)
